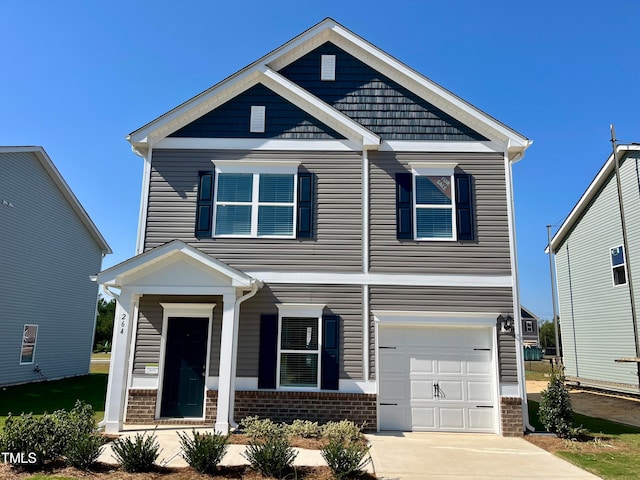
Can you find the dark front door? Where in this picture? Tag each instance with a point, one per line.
(184, 367)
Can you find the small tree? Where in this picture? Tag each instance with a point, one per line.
(104, 325)
(547, 335)
(555, 412)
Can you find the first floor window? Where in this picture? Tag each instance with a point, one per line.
(618, 266)
(299, 352)
(29, 338)
(255, 205)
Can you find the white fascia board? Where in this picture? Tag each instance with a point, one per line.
(319, 109)
(345, 278)
(424, 87)
(258, 144)
(586, 198)
(442, 146)
(115, 275)
(195, 107)
(66, 191)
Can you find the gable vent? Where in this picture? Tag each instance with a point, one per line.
(328, 68)
(256, 124)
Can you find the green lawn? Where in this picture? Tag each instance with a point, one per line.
(618, 458)
(42, 397)
(537, 370)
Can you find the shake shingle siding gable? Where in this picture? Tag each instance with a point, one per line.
(284, 120)
(375, 101)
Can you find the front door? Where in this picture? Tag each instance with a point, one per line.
(184, 367)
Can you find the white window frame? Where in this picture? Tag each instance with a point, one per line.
(623, 265)
(35, 342)
(299, 310)
(528, 326)
(256, 169)
(434, 170)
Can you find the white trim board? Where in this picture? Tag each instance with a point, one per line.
(357, 278)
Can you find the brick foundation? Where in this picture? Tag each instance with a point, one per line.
(511, 416)
(141, 409)
(319, 407)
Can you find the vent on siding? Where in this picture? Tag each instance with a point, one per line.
(328, 68)
(256, 124)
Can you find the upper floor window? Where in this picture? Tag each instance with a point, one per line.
(618, 266)
(29, 339)
(529, 326)
(434, 203)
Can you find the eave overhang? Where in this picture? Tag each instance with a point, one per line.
(118, 275)
(592, 191)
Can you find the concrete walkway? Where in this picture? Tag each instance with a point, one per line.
(409, 456)
(412, 456)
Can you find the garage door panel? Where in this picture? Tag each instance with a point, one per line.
(456, 359)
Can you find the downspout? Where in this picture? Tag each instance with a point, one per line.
(516, 298)
(255, 285)
(365, 265)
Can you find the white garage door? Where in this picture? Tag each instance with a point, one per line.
(436, 379)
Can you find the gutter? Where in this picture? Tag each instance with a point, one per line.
(255, 285)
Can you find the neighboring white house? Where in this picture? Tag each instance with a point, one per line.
(49, 249)
(592, 270)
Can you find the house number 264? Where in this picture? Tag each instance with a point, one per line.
(122, 324)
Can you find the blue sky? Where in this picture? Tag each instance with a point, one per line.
(78, 76)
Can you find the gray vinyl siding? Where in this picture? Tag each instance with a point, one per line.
(337, 244)
(149, 332)
(452, 299)
(46, 257)
(342, 300)
(374, 100)
(595, 315)
(283, 120)
(488, 254)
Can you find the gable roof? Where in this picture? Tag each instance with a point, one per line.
(589, 195)
(46, 162)
(526, 313)
(265, 70)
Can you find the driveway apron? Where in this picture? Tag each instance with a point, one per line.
(410, 456)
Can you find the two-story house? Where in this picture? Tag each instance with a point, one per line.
(325, 234)
(600, 341)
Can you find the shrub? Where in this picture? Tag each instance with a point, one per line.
(346, 460)
(273, 457)
(43, 436)
(304, 429)
(84, 450)
(136, 455)
(555, 410)
(204, 451)
(344, 431)
(261, 429)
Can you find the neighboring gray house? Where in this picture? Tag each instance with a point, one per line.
(325, 234)
(592, 277)
(530, 328)
(49, 248)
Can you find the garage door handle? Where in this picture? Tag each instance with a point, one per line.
(484, 406)
(391, 348)
(391, 404)
(481, 349)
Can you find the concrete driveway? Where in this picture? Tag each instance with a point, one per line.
(411, 456)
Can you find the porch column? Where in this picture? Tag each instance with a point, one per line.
(119, 365)
(225, 378)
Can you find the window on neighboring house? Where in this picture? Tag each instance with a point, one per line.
(29, 339)
(528, 326)
(618, 266)
(433, 203)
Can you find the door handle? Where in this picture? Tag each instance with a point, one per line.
(436, 390)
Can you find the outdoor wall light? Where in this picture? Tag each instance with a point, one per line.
(506, 323)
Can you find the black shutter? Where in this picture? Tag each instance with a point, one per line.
(404, 205)
(204, 209)
(330, 367)
(305, 205)
(268, 351)
(464, 207)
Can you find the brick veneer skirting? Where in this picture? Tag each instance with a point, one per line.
(319, 407)
(141, 409)
(511, 415)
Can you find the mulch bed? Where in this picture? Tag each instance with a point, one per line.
(553, 444)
